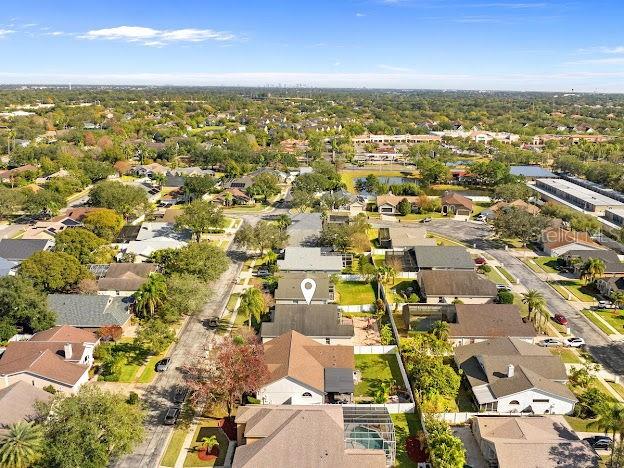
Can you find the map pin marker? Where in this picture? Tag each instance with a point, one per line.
(308, 286)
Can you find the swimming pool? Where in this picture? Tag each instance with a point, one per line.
(366, 438)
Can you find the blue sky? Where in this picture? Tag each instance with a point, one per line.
(460, 44)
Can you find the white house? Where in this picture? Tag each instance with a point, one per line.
(509, 375)
(304, 372)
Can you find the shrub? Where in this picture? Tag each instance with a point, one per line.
(505, 297)
(385, 334)
(485, 268)
(50, 389)
(133, 398)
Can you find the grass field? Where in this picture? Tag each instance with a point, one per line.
(507, 275)
(376, 369)
(567, 355)
(578, 424)
(547, 263)
(581, 291)
(355, 293)
(615, 318)
(174, 447)
(405, 425)
(598, 323)
(443, 240)
(494, 276)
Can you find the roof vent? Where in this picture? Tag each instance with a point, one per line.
(510, 370)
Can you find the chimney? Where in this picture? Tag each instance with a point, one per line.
(510, 370)
(68, 351)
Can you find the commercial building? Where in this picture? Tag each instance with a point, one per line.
(559, 190)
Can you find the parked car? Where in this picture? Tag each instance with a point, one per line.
(480, 261)
(163, 364)
(574, 342)
(503, 287)
(550, 343)
(560, 319)
(606, 305)
(599, 442)
(426, 220)
(481, 218)
(180, 395)
(171, 416)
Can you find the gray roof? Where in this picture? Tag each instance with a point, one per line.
(289, 286)
(486, 363)
(339, 379)
(489, 320)
(309, 259)
(157, 229)
(530, 171)
(609, 257)
(316, 320)
(455, 283)
(21, 249)
(89, 310)
(402, 237)
(443, 257)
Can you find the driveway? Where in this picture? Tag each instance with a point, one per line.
(610, 354)
(193, 342)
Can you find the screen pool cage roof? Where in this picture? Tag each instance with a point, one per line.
(368, 427)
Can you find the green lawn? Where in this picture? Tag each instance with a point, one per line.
(567, 355)
(507, 275)
(532, 265)
(440, 240)
(597, 322)
(133, 356)
(174, 447)
(495, 276)
(376, 369)
(419, 216)
(232, 302)
(405, 425)
(524, 309)
(547, 264)
(207, 430)
(399, 286)
(578, 289)
(578, 424)
(355, 293)
(615, 318)
(149, 372)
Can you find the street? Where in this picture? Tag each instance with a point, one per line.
(193, 341)
(610, 354)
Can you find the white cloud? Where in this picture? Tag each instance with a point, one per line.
(394, 69)
(603, 50)
(360, 15)
(55, 33)
(5, 32)
(156, 37)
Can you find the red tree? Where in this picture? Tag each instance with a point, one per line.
(235, 367)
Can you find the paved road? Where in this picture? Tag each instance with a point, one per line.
(609, 354)
(194, 341)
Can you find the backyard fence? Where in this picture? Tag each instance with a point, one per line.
(356, 308)
(357, 278)
(374, 349)
(393, 408)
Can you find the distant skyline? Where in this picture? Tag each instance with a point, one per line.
(526, 45)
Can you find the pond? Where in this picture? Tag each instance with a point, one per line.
(387, 180)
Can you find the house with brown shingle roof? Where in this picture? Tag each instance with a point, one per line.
(60, 356)
(304, 372)
(387, 204)
(17, 403)
(455, 204)
(123, 279)
(520, 204)
(448, 286)
(302, 436)
(556, 241)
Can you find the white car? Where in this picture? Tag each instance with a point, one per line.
(550, 343)
(574, 342)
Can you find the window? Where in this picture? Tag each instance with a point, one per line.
(541, 400)
(514, 402)
(327, 341)
(307, 395)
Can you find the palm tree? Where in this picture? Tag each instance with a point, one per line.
(271, 257)
(592, 269)
(228, 197)
(534, 300)
(610, 419)
(252, 304)
(22, 445)
(150, 295)
(618, 299)
(159, 179)
(283, 221)
(382, 392)
(208, 442)
(440, 330)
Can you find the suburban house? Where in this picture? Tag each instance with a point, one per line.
(122, 279)
(442, 258)
(310, 260)
(531, 442)
(75, 214)
(304, 436)
(455, 204)
(493, 210)
(387, 204)
(17, 403)
(60, 356)
(609, 286)
(448, 286)
(232, 196)
(49, 229)
(470, 323)
(15, 251)
(151, 237)
(611, 260)
(401, 238)
(90, 311)
(289, 288)
(241, 183)
(556, 241)
(148, 170)
(511, 375)
(304, 372)
(8, 176)
(322, 323)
